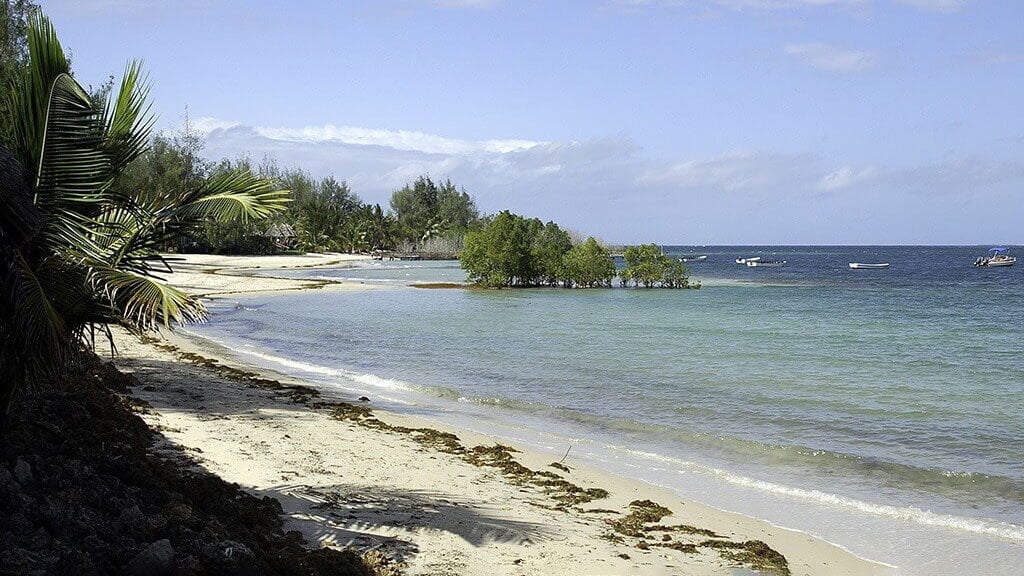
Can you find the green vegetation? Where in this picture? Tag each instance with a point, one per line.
(79, 245)
(646, 265)
(511, 250)
(325, 214)
(426, 209)
(14, 16)
(589, 265)
(515, 251)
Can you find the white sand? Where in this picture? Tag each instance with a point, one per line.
(211, 275)
(343, 484)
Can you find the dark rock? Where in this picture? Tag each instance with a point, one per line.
(86, 497)
(6, 479)
(132, 520)
(22, 472)
(231, 557)
(157, 559)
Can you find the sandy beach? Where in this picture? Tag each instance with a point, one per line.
(404, 486)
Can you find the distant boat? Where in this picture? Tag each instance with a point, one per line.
(862, 266)
(742, 261)
(997, 258)
(693, 258)
(759, 263)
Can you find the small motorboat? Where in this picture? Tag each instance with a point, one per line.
(997, 258)
(693, 258)
(863, 266)
(742, 261)
(759, 263)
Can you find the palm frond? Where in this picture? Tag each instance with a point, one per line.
(128, 120)
(145, 302)
(237, 195)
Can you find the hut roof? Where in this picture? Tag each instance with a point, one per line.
(281, 231)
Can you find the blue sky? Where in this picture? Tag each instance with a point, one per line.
(675, 121)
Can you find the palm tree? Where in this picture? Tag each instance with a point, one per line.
(76, 255)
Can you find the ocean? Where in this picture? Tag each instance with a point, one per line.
(882, 410)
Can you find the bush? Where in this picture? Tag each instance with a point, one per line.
(646, 265)
(589, 265)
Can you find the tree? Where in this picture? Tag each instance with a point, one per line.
(77, 251)
(498, 255)
(380, 227)
(426, 209)
(647, 265)
(14, 17)
(547, 249)
(589, 265)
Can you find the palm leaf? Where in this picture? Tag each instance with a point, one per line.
(145, 302)
(237, 195)
(128, 120)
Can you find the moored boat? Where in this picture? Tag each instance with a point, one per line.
(742, 261)
(759, 263)
(693, 258)
(997, 258)
(863, 266)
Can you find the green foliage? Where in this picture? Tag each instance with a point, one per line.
(547, 251)
(499, 254)
(646, 265)
(14, 16)
(79, 247)
(589, 265)
(514, 251)
(427, 209)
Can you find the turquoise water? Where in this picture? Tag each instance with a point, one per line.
(851, 404)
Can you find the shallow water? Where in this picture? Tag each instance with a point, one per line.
(880, 409)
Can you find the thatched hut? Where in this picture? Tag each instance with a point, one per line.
(282, 235)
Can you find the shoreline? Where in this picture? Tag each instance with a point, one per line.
(806, 554)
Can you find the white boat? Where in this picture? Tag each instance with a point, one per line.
(863, 266)
(689, 258)
(759, 263)
(997, 259)
(742, 261)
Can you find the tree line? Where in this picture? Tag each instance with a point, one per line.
(324, 215)
(510, 250)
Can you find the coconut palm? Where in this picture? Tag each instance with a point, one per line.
(76, 255)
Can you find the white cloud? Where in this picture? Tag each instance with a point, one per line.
(397, 139)
(609, 187)
(846, 177)
(733, 172)
(832, 58)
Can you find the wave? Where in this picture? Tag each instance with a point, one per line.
(906, 513)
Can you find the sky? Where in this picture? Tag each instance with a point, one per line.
(672, 121)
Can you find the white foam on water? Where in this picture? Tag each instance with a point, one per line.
(904, 513)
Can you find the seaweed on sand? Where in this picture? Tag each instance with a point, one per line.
(498, 456)
(641, 512)
(637, 524)
(753, 553)
(295, 392)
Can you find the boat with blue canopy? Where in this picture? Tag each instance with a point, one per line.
(997, 258)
